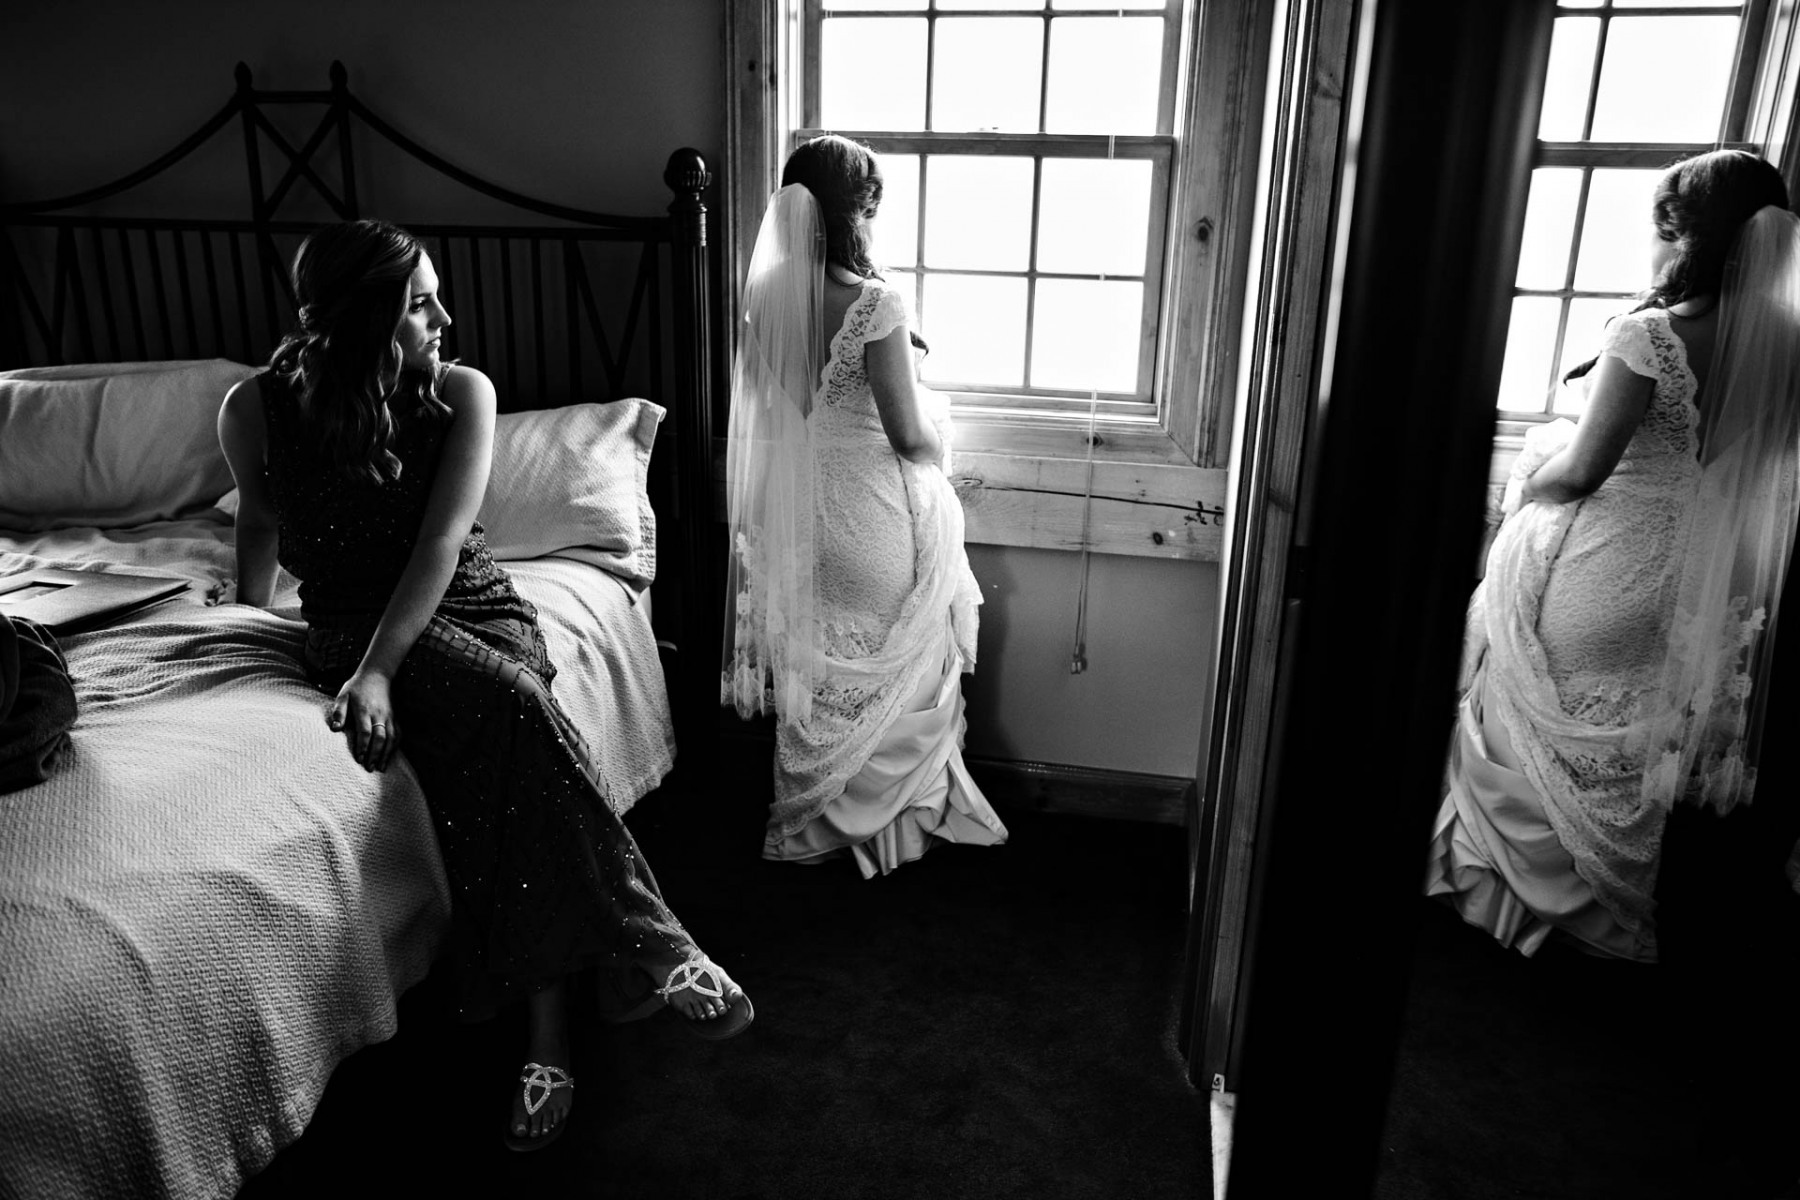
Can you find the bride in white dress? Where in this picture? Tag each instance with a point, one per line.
(852, 612)
(1617, 648)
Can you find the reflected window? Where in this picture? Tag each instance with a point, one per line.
(1612, 121)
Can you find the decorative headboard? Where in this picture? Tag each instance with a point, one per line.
(575, 306)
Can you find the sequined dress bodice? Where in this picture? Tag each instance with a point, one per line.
(348, 540)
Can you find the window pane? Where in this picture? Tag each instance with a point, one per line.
(976, 327)
(866, 5)
(987, 74)
(907, 283)
(1104, 7)
(971, 5)
(1616, 233)
(1570, 75)
(872, 73)
(978, 212)
(1675, 3)
(1094, 216)
(1105, 74)
(1639, 100)
(1581, 341)
(1530, 341)
(1549, 227)
(1086, 333)
(897, 221)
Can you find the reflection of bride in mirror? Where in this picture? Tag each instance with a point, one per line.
(1617, 650)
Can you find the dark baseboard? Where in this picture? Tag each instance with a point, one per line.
(1020, 785)
(1085, 791)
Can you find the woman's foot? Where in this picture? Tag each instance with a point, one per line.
(545, 1093)
(699, 990)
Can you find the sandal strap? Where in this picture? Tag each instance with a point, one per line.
(689, 974)
(540, 1076)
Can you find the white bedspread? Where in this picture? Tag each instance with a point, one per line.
(210, 904)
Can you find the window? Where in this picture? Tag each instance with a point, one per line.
(1027, 147)
(1071, 203)
(1632, 86)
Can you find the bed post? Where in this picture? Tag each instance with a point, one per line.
(697, 694)
(259, 203)
(340, 108)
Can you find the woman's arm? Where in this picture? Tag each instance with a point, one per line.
(1617, 398)
(243, 435)
(365, 702)
(889, 363)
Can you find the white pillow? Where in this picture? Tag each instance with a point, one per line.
(111, 444)
(570, 483)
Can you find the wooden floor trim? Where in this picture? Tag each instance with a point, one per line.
(1023, 785)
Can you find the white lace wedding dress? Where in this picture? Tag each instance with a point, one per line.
(1565, 638)
(876, 768)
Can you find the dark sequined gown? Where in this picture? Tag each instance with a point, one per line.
(544, 876)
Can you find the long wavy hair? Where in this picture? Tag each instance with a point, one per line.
(351, 283)
(845, 179)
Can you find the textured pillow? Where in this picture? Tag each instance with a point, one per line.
(111, 444)
(570, 483)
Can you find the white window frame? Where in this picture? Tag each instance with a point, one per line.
(1156, 481)
(1158, 149)
(1758, 116)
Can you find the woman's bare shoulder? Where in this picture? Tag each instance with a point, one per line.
(243, 402)
(465, 387)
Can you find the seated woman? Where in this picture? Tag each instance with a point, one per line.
(361, 460)
(1618, 646)
(854, 607)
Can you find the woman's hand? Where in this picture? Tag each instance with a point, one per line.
(364, 710)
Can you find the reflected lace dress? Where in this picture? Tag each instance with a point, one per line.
(544, 877)
(1565, 635)
(877, 771)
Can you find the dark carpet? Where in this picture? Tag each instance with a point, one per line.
(1547, 1077)
(986, 1022)
(1559, 1077)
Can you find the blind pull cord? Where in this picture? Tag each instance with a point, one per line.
(1078, 655)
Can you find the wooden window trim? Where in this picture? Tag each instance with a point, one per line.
(1157, 485)
(1758, 117)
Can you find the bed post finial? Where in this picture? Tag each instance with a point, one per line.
(687, 175)
(339, 77)
(242, 74)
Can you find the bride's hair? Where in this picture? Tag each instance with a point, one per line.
(844, 178)
(1700, 205)
(343, 362)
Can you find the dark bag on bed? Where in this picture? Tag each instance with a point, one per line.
(37, 703)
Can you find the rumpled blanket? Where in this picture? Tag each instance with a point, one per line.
(37, 703)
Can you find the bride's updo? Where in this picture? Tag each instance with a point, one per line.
(844, 178)
(1700, 205)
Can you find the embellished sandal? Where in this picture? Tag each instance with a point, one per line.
(546, 1080)
(699, 973)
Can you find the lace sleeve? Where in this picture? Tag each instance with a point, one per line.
(1628, 340)
(887, 314)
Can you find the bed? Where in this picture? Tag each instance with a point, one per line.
(209, 905)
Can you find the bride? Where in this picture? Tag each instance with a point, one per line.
(1617, 650)
(852, 611)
